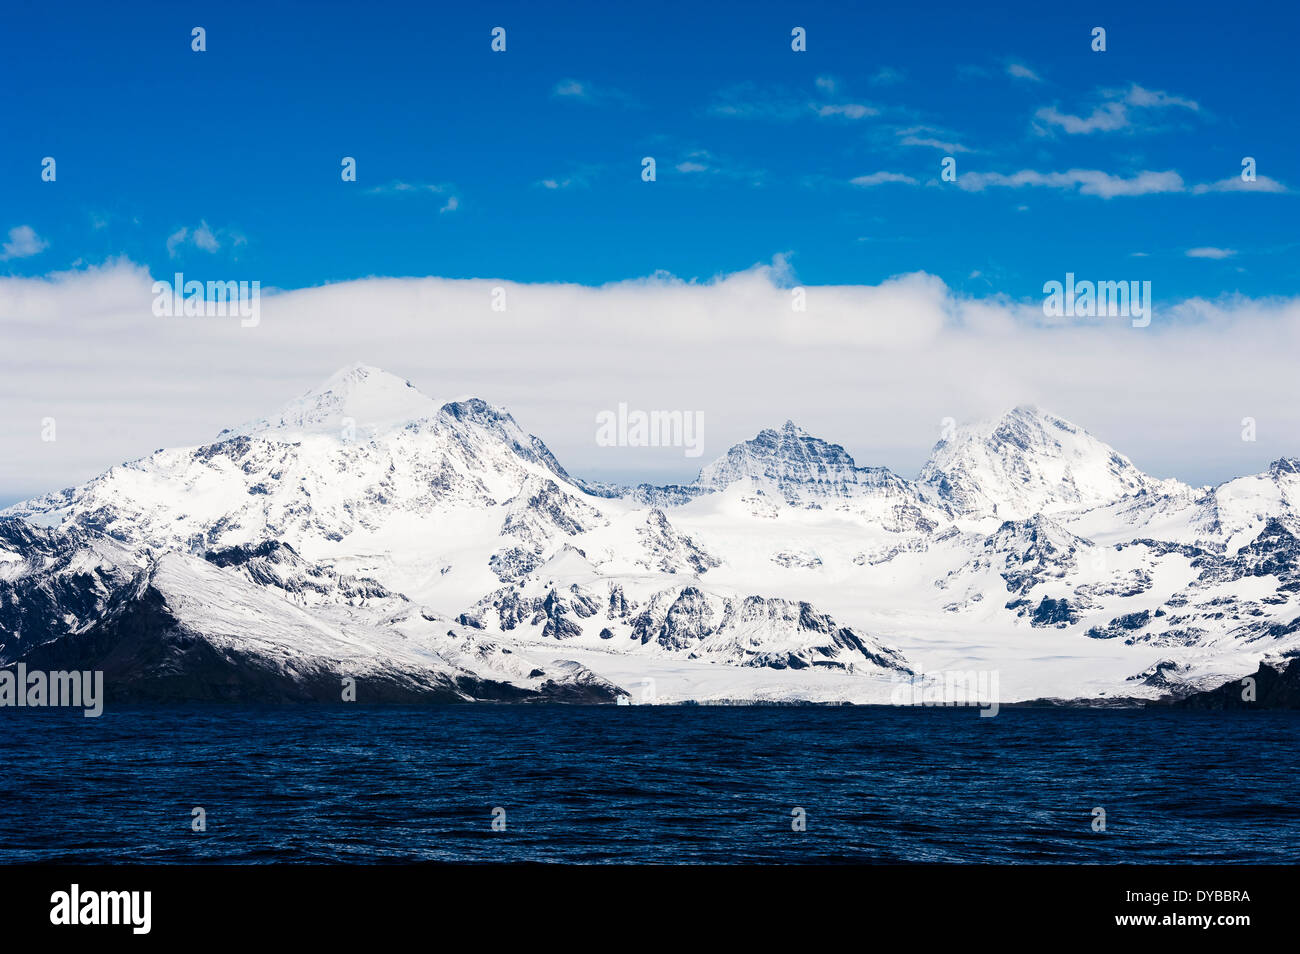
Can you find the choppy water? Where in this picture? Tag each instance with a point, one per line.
(637, 784)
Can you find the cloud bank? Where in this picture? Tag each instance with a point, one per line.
(874, 367)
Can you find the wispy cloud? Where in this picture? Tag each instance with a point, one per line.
(451, 202)
(885, 76)
(1118, 110)
(203, 238)
(1135, 95)
(584, 91)
(847, 110)
(1211, 252)
(749, 100)
(571, 89)
(1105, 118)
(1107, 185)
(702, 164)
(700, 160)
(398, 187)
(23, 243)
(928, 137)
(1020, 71)
(881, 178)
(575, 176)
(1238, 184)
(1085, 181)
(778, 104)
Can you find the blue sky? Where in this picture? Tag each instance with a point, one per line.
(525, 165)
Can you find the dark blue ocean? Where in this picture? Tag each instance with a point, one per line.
(643, 784)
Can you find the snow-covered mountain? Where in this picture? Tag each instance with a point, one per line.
(799, 468)
(1028, 462)
(437, 551)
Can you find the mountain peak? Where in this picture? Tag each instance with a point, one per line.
(773, 436)
(795, 465)
(359, 400)
(356, 374)
(1025, 462)
(1027, 410)
(1284, 466)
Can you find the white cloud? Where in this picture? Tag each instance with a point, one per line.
(202, 237)
(1105, 118)
(930, 137)
(775, 103)
(572, 180)
(698, 160)
(703, 166)
(398, 187)
(1211, 252)
(750, 101)
(932, 143)
(847, 110)
(1107, 185)
(1135, 95)
(23, 243)
(1086, 181)
(1020, 71)
(1116, 111)
(1238, 184)
(880, 178)
(873, 367)
(583, 91)
(572, 89)
(176, 239)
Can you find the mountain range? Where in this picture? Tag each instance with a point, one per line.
(437, 552)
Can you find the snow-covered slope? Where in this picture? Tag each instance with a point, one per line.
(241, 626)
(440, 552)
